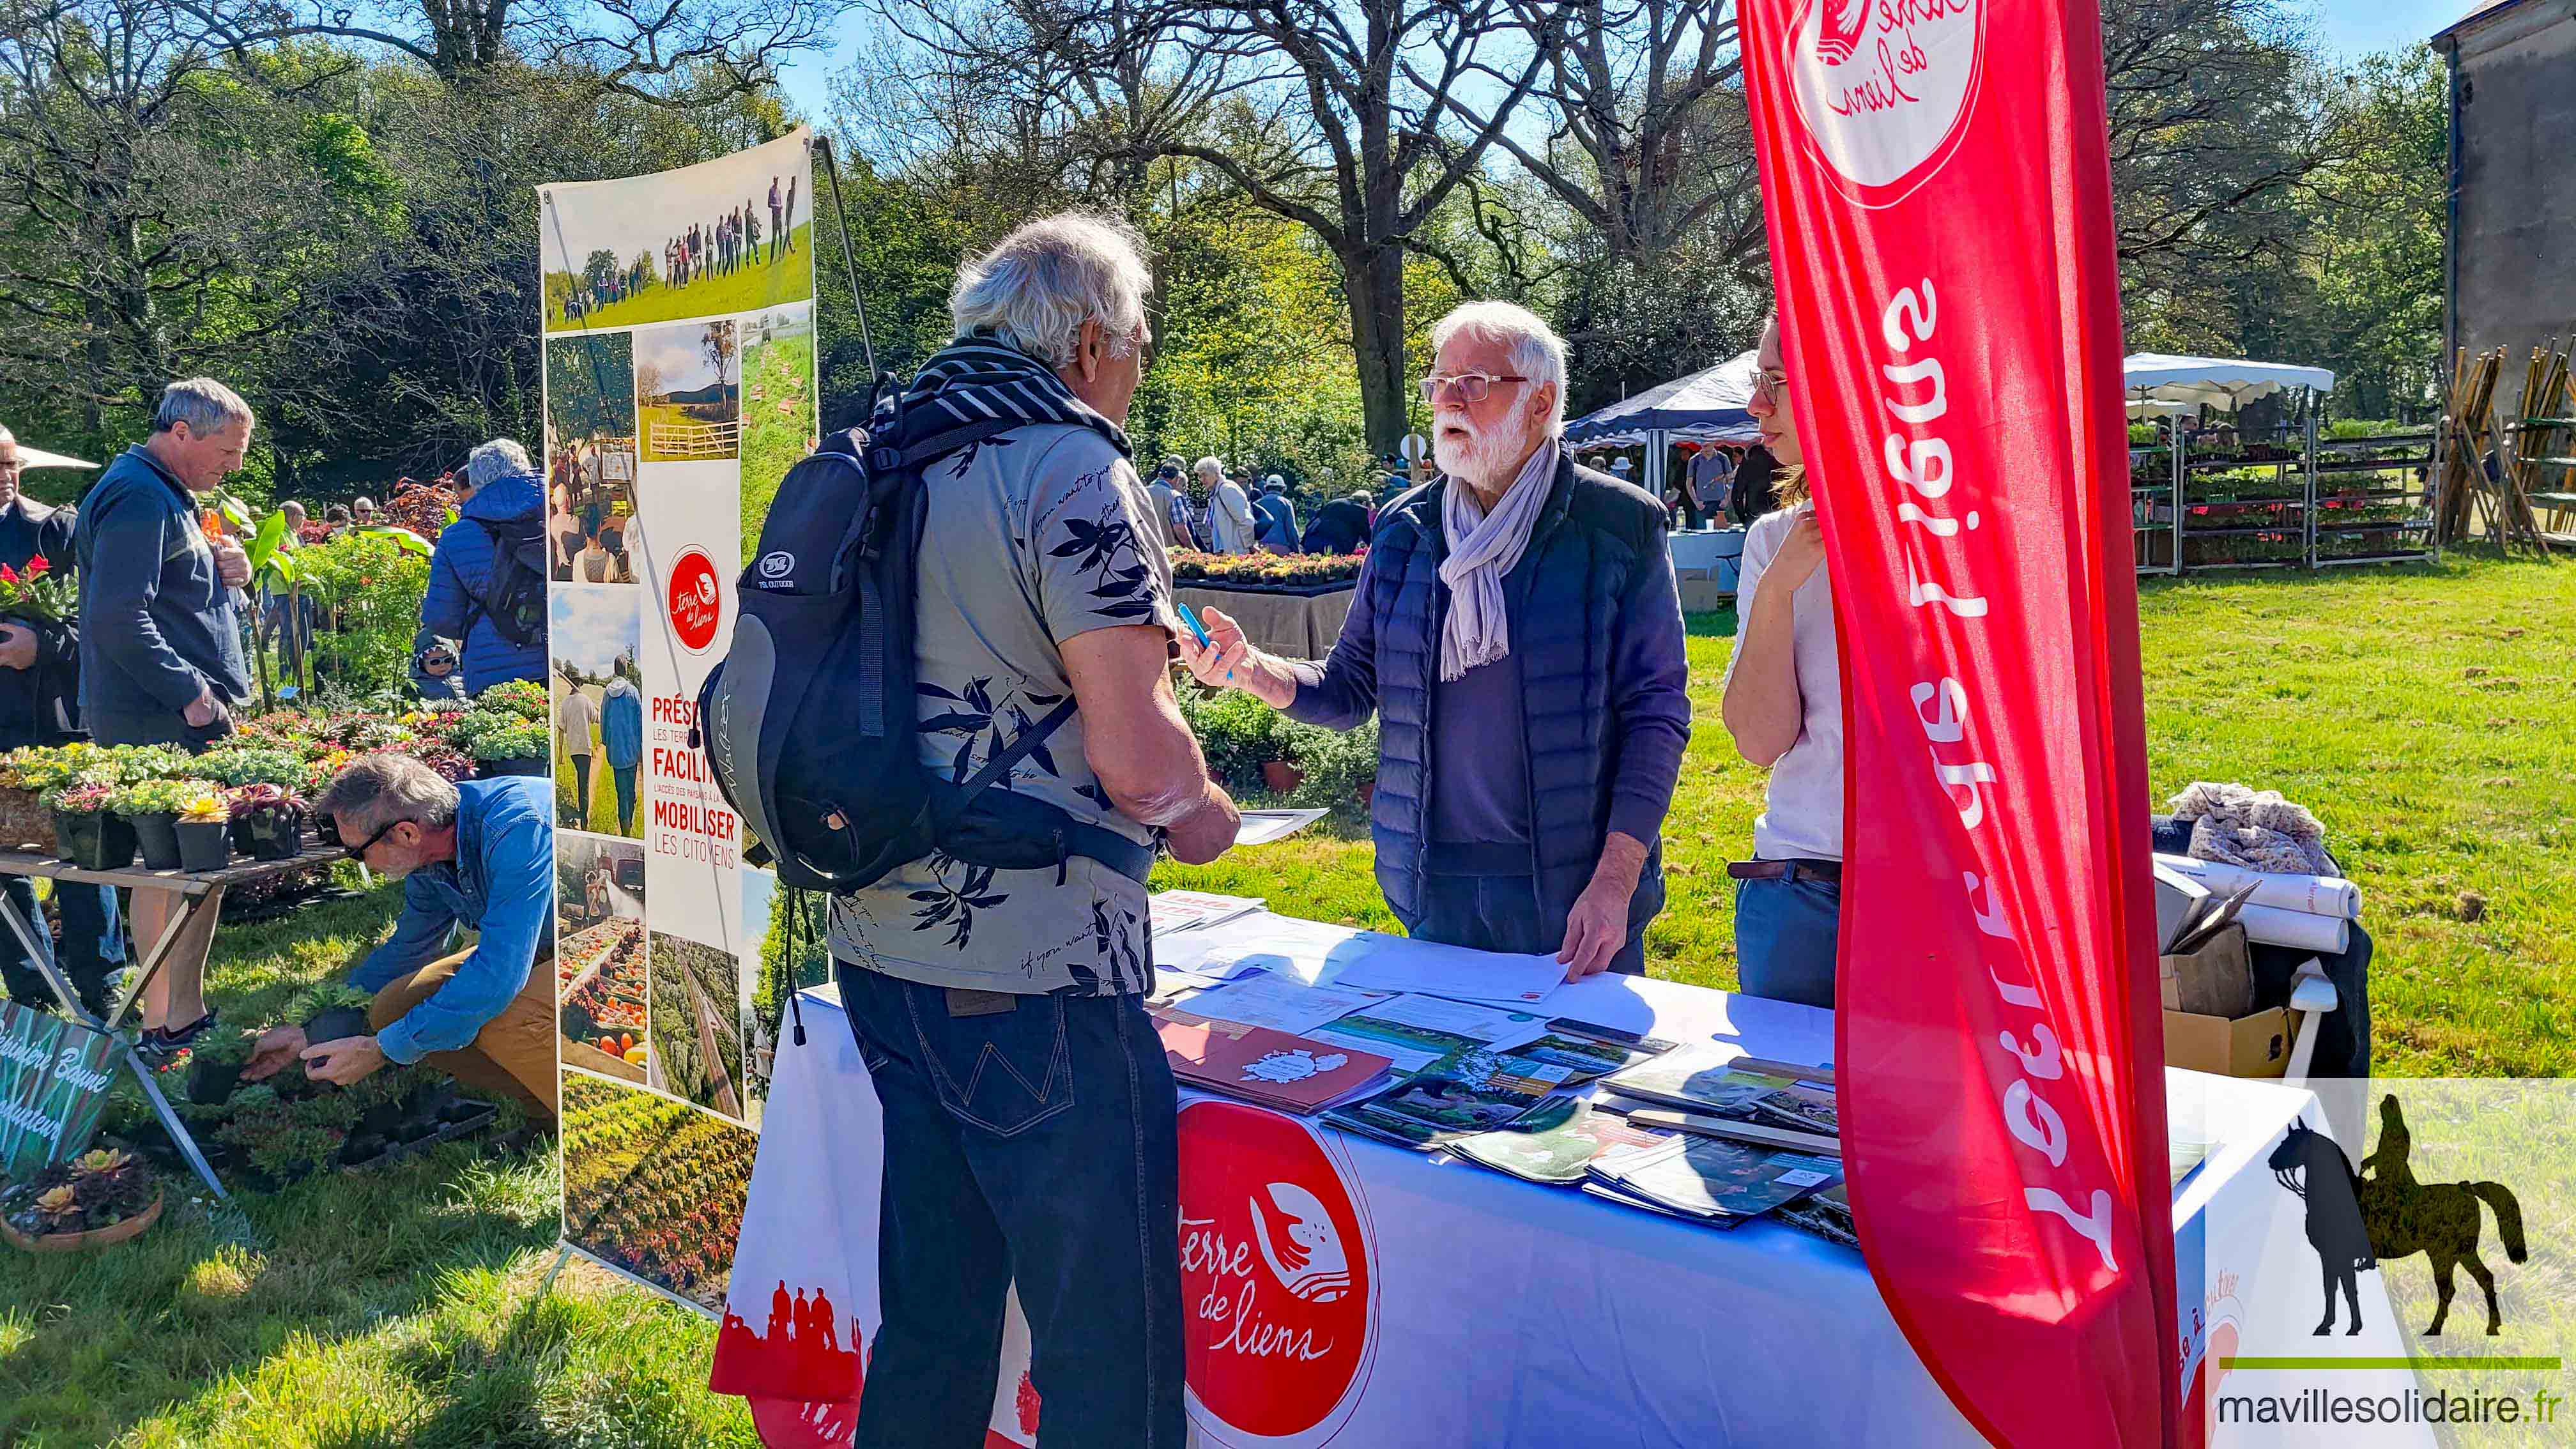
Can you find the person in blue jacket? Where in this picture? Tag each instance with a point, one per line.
(472, 853)
(161, 659)
(621, 737)
(507, 495)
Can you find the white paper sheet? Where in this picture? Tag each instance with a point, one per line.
(1281, 945)
(1260, 827)
(1279, 1003)
(1188, 910)
(1403, 964)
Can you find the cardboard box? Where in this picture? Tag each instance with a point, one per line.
(2250, 1046)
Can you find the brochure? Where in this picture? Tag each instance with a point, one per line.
(1589, 1057)
(1711, 1178)
(1419, 1030)
(1826, 1213)
(1703, 1079)
(1559, 1155)
(1256, 1064)
(1457, 1096)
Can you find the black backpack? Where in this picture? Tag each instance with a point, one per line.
(810, 723)
(514, 594)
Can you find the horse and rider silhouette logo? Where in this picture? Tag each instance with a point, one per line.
(2360, 1220)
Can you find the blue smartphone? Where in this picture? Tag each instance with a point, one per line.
(1190, 617)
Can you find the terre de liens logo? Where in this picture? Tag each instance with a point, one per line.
(2358, 1220)
(1884, 87)
(695, 600)
(1278, 1277)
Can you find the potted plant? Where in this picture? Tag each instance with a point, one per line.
(517, 747)
(215, 1066)
(330, 1011)
(204, 831)
(267, 821)
(98, 1199)
(25, 775)
(153, 808)
(86, 831)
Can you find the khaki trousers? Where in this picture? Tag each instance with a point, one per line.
(514, 1054)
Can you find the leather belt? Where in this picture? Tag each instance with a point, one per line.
(1827, 871)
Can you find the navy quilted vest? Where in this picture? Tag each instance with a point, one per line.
(1561, 602)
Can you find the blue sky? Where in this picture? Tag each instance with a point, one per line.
(2349, 27)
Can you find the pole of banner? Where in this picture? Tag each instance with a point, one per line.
(850, 263)
(546, 1284)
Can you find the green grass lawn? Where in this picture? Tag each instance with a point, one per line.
(671, 419)
(745, 289)
(2427, 714)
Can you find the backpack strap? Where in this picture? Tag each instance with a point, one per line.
(1071, 837)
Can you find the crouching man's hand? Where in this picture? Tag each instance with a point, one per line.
(344, 1062)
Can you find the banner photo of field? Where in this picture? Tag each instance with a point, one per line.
(710, 240)
(680, 389)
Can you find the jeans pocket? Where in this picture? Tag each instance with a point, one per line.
(1003, 1072)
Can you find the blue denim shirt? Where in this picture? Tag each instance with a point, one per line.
(501, 883)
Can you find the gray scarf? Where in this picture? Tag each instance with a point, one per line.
(1482, 549)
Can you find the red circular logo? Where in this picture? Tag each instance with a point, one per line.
(1278, 1277)
(695, 598)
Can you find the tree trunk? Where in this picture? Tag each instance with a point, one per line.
(1373, 275)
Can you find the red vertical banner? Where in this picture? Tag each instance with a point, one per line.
(1940, 225)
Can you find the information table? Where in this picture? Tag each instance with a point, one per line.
(1481, 1310)
(201, 889)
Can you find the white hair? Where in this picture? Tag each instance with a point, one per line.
(1209, 465)
(493, 461)
(384, 787)
(1537, 352)
(205, 405)
(1037, 286)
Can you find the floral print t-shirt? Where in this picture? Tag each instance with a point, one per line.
(1033, 537)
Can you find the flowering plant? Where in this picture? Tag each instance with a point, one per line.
(1267, 569)
(155, 797)
(207, 807)
(249, 801)
(37, 592)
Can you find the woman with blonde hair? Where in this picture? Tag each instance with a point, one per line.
(1783, 704)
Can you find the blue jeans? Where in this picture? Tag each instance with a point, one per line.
(1029, 1140)
(1785, 934)
(91, 945)
(625, 798)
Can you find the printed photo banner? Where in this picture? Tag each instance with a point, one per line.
(54, 1080)
(1938, 199)
(680, 388)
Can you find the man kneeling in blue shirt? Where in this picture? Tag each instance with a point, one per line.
(474, 853)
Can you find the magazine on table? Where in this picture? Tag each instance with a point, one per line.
(1559, 1154)
(1458, 1096)
(1826, 1212)
(1589, 1057)
(1712, 1179)
(1417, 1031)
(1703, 1079)
(1270, 1068)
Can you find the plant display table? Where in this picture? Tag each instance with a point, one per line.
(202, 890)
(1299, 622)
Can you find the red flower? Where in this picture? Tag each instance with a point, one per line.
(8, 575)
(37, 568)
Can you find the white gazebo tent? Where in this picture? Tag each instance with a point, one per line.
(2161, 383)
(1706, 406)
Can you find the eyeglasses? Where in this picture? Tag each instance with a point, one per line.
(1771, 382)
(1471, 387)
(360, 854)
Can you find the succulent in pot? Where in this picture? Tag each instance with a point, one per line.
(87, 831)
(267, 820)
(204, 831)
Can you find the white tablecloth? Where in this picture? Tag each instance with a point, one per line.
(1502, 1313)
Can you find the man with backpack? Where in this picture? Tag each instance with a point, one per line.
(1029, 1113)
(487, 578)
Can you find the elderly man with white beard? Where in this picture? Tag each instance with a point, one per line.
(1517, 630)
